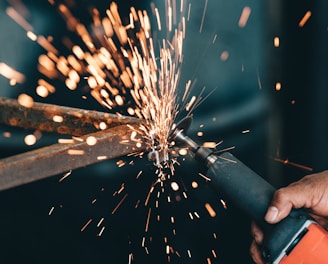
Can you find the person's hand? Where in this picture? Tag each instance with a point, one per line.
(311, 193)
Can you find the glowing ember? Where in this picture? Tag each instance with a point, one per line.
(276, 42)
(224, 55)
(30, 140)
(194, 185)
(278, 86)
(51, 210)
(58, 119)
(175, 186)
(244, 16)
(11, 74)
(65, 176)
(65, 141)
(209, 145)
(6, 134)
(75, 152)
(210, 210)
(25, 100)
(305, 18)
(91, 141)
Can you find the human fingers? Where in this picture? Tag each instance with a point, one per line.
(254, 250)
(257, 233)
(255, 253)
(309, 192)
(281, 204)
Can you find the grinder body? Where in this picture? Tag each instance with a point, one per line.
(297, 239)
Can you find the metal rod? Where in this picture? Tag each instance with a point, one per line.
(60, 158)
(57, 119)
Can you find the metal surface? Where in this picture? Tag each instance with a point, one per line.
(60, 158)
(114, 141)
(57, 119)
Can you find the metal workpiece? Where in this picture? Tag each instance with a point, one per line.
(62, 157)
(96, 136)
(58, 119)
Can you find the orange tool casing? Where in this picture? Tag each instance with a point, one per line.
(311, 249)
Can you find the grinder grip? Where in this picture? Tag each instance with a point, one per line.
(242, 187)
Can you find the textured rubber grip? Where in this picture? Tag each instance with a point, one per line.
(241, 186)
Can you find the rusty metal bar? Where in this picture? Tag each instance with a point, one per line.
(60, 158)
(57, 119)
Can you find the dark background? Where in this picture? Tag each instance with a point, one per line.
(288, 124)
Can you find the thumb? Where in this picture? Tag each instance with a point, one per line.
(282, 203)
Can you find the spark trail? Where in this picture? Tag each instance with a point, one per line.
(131, 72)
(124, 67)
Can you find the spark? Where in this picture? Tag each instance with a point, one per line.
(13, 75)
(223, 203)
(203, 176)
(278, 86)
(100, 222)
(25, 100)
(124, 66)
(57, 119)
(175, 186)
(130, 258)
(51, 210)
(19, 19)
(31, 36)
(67, 174)
(276, 42)
(194, 185)
(259, 79)
(101, 231)
(228, 160)
(214, 253)
(65, 140)
(183, 152)
(86, 225)
(148, 219)
(102, 126)
(197, 215)
(75, 152)
(244, 16)
(6, 134)
(120, 163)
(138, 175)
(191, 216)
(119, 203)
(30, 140)
(210, 210)
(209, 144)
(224, 55)
(294, 164)
(203, 16)
(305, 18)
(192, 101)
(78, 139)
(91, 141)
